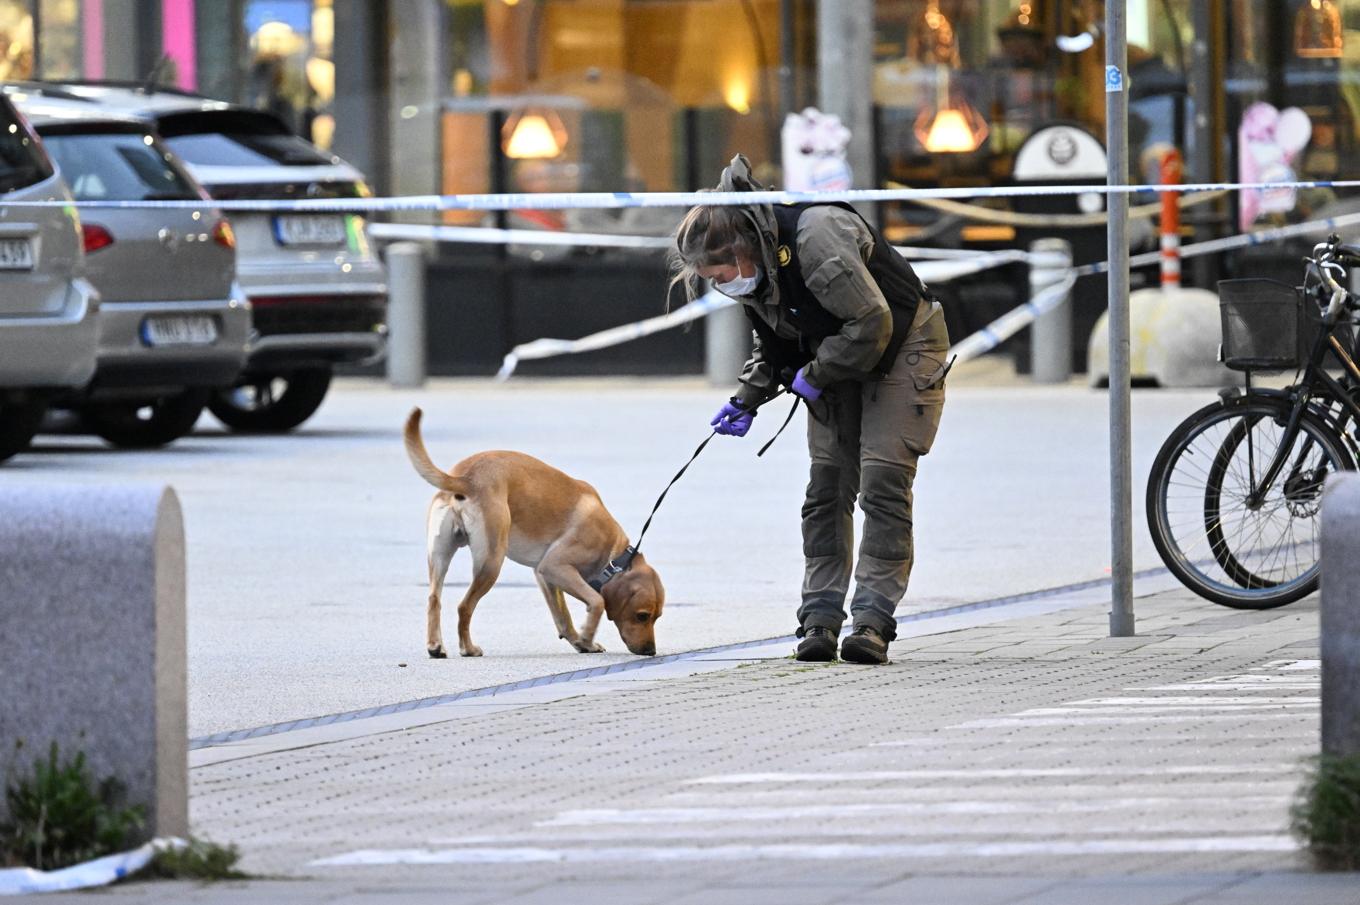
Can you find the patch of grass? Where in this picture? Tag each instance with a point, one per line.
(1326, 816)
(60, 815)
(198, 860)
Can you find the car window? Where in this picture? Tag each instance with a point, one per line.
(118, 167)
(238, 138)
(22, 162)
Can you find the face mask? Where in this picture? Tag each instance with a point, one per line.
(741, 285)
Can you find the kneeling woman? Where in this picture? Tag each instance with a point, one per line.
(843, 321)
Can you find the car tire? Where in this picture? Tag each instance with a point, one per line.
(146, 425)
(18, 423)
(271, 403)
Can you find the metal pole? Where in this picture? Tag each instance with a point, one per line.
(787, 56)
(727, 344)
(406, 315)
(1051, 335)
(1121, 464)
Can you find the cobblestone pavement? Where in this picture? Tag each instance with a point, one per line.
(1033, 760)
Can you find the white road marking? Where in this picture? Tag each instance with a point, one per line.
(834, 851)
(640, 816)
(874, 776)
(1011, 722)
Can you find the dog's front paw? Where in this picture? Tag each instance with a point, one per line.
(588, 647)
(437, 653)
(470, 650)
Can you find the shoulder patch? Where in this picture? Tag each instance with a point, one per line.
(785, 255)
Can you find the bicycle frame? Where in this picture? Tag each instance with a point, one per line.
(1304, 394)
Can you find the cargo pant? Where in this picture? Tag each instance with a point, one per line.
(865, 440)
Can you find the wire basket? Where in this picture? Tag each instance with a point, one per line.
(1264, 326)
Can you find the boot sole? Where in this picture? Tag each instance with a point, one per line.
(852, 653)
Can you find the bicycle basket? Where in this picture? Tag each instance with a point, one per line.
(1263, 325)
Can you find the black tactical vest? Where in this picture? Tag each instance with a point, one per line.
(894, 276)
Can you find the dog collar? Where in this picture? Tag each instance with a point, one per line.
(616, 567)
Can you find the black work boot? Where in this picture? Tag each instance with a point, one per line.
(818, 645)
(865, 645)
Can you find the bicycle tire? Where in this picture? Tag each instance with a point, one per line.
(1244, 587)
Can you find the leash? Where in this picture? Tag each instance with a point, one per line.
(621, 564)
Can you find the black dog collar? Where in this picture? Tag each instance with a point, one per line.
(615, 568)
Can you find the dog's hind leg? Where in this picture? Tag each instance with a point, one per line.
(443, 538)
(557, 605)
(488, 540)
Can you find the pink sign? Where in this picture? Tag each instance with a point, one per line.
(1269, 143)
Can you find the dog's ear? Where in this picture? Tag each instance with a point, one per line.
(617, 593)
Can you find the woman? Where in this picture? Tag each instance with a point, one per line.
(841, 319)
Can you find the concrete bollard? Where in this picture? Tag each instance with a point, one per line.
(727, 345)
(406, 315)
(1051, 335)
(92, 639)
(1340, 611)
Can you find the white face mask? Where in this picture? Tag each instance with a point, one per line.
(741, 285)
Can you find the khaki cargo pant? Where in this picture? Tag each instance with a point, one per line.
(865, 440)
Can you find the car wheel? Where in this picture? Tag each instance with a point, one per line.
(145, 425)
(18, 423)
(271, 403)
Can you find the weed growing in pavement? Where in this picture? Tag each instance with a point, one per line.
(198, 860)
(60, 815)
(1326, 816)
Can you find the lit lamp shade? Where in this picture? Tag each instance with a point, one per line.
(534, 136)
(955, 129)
(1317, 31)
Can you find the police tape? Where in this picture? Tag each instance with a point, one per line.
(613, 200)
(1013, 321)
(18, 881)
(1229, 243)
(928, 271)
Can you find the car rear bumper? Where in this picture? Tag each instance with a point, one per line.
(304, 329)
(127, 359)
(52, 350)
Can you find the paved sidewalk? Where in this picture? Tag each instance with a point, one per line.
(1032, 760)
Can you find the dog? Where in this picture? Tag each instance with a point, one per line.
(510, 505)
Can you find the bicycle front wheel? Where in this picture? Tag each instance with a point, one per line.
(1218, 529)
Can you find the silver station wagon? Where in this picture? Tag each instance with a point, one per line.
(173, 326)
(47, 307)
(318, 290)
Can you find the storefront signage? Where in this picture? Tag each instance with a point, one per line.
(1270, 142)
(1058, 154)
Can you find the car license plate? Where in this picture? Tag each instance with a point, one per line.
(179, 331)
(16, 254)
(309, 229)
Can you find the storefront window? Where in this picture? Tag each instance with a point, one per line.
(16, 40)
(291, 71)
(621, 95)
(1293, 108)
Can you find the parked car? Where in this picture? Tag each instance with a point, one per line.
(47, 307)
(173, 324)
(318, 291)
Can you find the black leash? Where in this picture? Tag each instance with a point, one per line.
(620, 565)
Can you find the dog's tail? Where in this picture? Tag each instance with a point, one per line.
(424, 465)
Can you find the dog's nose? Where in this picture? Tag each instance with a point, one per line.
(648, 651)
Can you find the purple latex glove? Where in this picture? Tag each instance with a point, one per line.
(732, 420)
(803, 388)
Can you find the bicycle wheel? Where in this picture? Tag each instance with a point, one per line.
(1219, 543)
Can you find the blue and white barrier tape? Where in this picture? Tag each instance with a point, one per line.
(929, 271)
(18, 881)
(486, 236)
(609, 200)
(1013, 321)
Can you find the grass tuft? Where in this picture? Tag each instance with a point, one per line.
(60, 815)
(1326, 816)
(198, 860)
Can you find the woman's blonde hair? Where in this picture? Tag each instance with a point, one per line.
(708, 235)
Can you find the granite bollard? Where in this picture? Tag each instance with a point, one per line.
(92, 638)
(1340, 622)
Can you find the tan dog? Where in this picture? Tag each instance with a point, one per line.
(508, 504)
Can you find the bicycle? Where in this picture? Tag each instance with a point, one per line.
(1234, 496)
